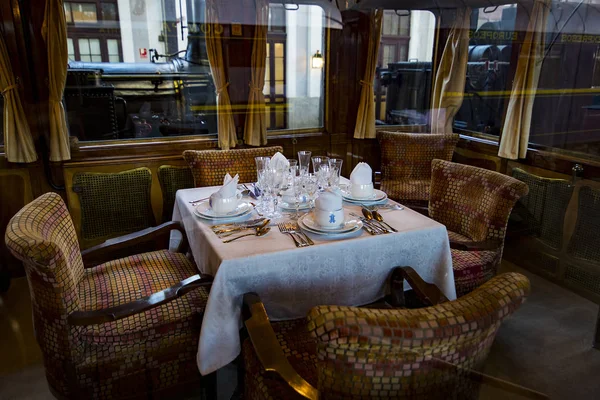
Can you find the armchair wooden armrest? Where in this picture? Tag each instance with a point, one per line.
(141, 305)
(267, 347)
(135, 243)
(428, 293)
(484, 245)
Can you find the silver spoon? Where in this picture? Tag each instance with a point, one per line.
(379, 218)
(228, 232)
(369, 216)
(259, 232)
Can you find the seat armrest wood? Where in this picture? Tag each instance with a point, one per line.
(428, 293)
(485, 245)
(127, 245)
(141, 305)
(267, 346)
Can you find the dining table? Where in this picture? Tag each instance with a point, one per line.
(291, 280)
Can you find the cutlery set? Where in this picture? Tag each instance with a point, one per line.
(373, 222)
(300, 238)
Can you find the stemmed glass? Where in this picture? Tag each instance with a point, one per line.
(335, 167)
(311, 187)
(274, 181)
(319, 161)
(262, 165)
(304, 161)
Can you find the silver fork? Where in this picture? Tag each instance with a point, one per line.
(283, 229)
(294, 228)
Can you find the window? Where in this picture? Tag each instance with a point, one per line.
(143, 65)
(403, 80)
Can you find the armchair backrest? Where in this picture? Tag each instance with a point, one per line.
(471, 201)
(417, 353)
(210, 166)
(42, 235)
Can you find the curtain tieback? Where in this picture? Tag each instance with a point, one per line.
(255, 88)
(220, 89)
(365, 83)
(8, 88)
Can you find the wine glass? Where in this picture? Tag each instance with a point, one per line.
(318, 161)
(304, 161)
(335, 166)
(311, 187)
(262, 164)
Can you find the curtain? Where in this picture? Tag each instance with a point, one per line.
(54, 32)
(517, 123)
(449, 85)
(214, 48)
(18, 143)
(365, 117)
(255, 130)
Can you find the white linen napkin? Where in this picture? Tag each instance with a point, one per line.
(362, 174)
(279, 162)
(228, 189)
(329, 201)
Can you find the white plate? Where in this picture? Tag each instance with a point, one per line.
(203, 210)
(330, 234)
(350, 224)
(377, 196)
(292, 207)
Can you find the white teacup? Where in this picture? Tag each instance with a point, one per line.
(329, 219)
(226, 205)
(361, 191)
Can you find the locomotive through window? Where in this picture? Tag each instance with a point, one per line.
(143, 66)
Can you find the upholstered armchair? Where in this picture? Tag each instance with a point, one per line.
(210, 166)
(110, 327)
(342, 352)
(474, 204)
(406, 163)
(173, 178)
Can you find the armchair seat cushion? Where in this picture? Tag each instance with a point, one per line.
(128, 279)
(472, 268)
(299, 347)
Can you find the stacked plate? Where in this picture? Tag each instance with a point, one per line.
(203, 210)
(350, 226)
(377, 197)
(292, 207)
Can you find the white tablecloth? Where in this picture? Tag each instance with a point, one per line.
(290, 280)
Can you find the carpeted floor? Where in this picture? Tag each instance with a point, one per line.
(545, 346)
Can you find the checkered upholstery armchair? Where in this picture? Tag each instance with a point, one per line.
(406, 162)
(124, 328)
(362, 353)
(475, 205)
(210, 166)
(173, 178)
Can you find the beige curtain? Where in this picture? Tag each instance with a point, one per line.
(365, 118)
(255, 130)
(18, 143)
(517, 124)
(214, 48)
(449, 85)
(54, 31)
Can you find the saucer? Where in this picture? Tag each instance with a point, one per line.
(350, 224)
(203, 210)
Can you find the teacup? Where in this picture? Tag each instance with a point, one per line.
(329, 219)
(361, 191)
(226, 205)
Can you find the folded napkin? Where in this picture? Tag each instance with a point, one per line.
(362, 174)
(279, 162)
(329, 201)
(229, 188)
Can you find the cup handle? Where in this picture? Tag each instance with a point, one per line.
(239, 196)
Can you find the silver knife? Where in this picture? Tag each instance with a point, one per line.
(238, 224)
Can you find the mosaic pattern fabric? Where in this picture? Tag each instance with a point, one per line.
(210, 166)
(403, 353)
(173, 178)
(545, 206)
(475, 203)
(584, 242)
(406, 162)
(131, 357)
(114, 204)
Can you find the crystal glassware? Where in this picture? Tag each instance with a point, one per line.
(318, 161)
(335, 167)
(304, 161)
(262, 165)
(311, 187)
